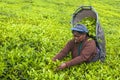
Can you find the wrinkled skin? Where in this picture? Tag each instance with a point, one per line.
(78, 37)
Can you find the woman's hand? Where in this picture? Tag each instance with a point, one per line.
(62, 66)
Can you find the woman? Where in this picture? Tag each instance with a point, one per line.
(82, 48)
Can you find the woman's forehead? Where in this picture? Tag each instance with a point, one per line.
(76, 33)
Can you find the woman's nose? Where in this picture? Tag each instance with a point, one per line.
(76, 37)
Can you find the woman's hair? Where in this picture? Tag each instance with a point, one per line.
(78, 32)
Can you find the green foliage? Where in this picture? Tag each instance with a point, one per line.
(32, 32)
(90, 23)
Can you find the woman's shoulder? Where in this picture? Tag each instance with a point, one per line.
(90, 40)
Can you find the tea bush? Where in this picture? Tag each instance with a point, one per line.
(90, 23)
(32, 32)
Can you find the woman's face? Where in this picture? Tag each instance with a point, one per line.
(78, 37)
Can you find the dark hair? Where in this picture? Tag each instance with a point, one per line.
(78, 32)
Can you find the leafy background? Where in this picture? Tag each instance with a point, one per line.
(33, 31)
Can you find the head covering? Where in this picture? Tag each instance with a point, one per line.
(80, 28)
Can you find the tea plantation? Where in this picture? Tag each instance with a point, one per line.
(32, 32)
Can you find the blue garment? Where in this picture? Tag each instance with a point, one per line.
(80, 28)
